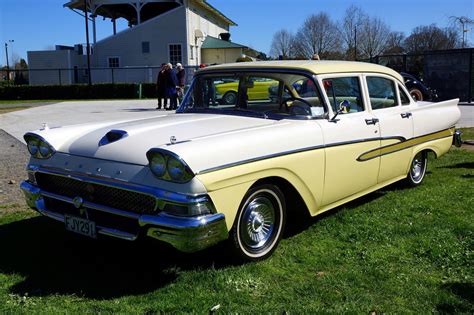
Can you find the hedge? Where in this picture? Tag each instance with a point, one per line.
(78, 91)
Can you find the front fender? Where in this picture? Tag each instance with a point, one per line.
(305, 171)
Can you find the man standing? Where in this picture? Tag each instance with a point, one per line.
(160, 87)
(171, 84)
(181, 74)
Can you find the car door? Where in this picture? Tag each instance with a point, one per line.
(396, 126)
(346, 138)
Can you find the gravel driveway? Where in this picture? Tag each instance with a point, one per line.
(13, 159)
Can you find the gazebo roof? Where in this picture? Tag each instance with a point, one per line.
(114, 9)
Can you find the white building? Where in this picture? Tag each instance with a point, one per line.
(160, 31)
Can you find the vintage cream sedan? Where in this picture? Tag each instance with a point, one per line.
(213, 172)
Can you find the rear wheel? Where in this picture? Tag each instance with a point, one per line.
(417, 169)
(259, 224)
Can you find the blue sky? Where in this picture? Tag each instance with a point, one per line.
(41, 24)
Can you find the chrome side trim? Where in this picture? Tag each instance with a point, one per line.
(274, 155)
(323, 146)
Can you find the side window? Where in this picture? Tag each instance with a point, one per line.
(348, 89)
(114, 62)
(381, 92)
(403, 96)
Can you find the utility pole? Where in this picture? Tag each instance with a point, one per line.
(87, 44)
(355, 43)
(8, 65)
(464, 21)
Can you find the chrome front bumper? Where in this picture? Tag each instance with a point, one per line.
(187, 234)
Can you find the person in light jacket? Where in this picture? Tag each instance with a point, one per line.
(181, 74)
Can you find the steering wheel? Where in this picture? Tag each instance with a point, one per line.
(298, 109)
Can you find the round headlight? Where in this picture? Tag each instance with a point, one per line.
(33, 146)
(158, 165)
(44, 149)
(176, 169)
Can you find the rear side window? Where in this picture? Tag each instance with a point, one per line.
(381, 92)
(403, 96)
(348, 89)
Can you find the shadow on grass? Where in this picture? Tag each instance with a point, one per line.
(461, 165)
(465, 291)
(300, 222)
(56, 262)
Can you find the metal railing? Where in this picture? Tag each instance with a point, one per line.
(68, 76)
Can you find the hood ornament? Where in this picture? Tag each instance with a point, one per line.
(44, 126)
(173, 140)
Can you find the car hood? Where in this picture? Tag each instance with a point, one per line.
(204, 141)
(135, 138)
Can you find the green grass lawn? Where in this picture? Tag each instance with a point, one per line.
(396, 250)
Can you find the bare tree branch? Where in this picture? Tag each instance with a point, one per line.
(318, 35)
(282, 44)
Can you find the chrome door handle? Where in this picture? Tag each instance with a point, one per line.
(406, 115)
(372, 121)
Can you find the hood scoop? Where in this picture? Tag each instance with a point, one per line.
(112, 136)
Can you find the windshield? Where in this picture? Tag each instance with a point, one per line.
(266, 95)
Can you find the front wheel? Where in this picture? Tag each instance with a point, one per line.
(259, 224)
(417, 169)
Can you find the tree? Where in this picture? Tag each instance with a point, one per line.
(394, 43)
(373, 37)
(282, 45)
(351, 24)
(318, 35)
(430, 37)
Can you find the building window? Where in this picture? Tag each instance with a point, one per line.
(175, 53)
(145, 47)
(191, 51)
(114, 62)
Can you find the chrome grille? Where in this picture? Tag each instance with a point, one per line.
(116, 198)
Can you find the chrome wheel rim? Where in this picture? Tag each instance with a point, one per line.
(257, 226)
(418, 166)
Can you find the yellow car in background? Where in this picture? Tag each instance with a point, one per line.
(226, 93)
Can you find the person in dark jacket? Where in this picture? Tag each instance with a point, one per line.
(160, 87)
(181, 74)
(170, 88)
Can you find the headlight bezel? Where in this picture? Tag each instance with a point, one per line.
(169, 157)
(35, 143)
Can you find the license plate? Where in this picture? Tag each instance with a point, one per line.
(80, 226)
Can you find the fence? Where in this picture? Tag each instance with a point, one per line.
(449, 72)
(80, 75)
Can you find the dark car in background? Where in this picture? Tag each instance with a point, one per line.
(417, 88)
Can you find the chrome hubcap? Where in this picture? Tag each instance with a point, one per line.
(258, 223)
(418, 167)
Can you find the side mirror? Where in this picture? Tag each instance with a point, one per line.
(344, 107)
